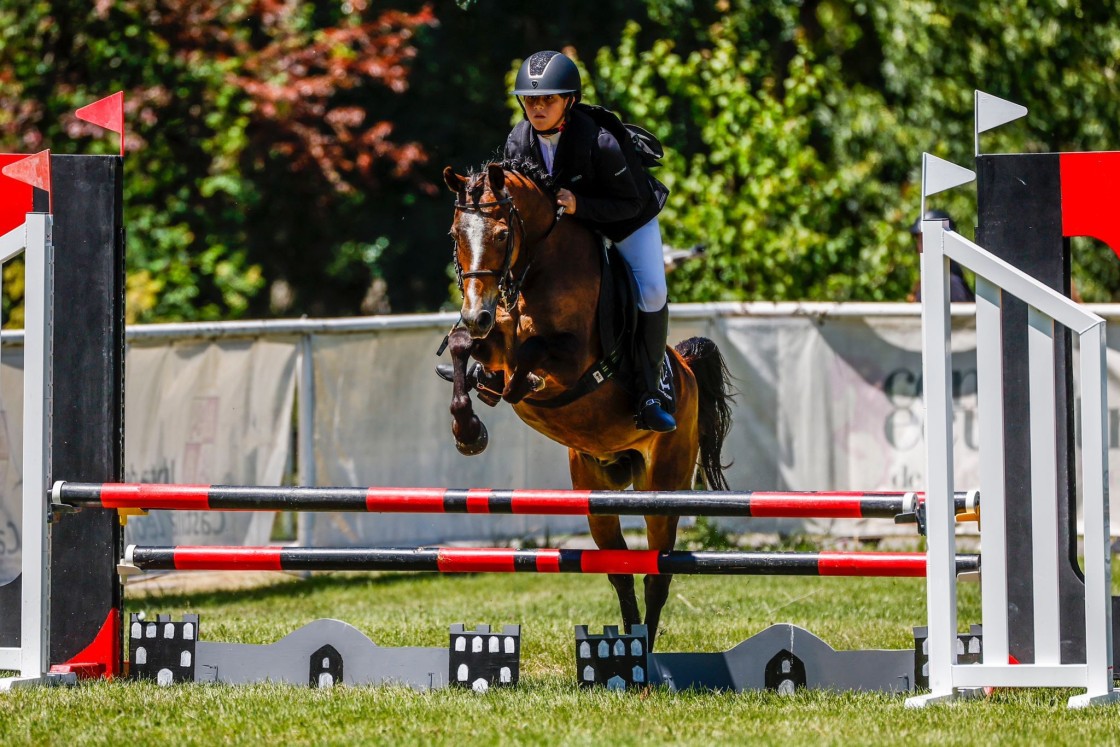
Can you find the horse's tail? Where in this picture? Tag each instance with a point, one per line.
(716, 395)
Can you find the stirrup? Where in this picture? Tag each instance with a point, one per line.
(651, 417)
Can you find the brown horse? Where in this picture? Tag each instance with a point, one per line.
(530, 281)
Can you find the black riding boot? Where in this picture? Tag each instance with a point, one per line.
(654, 402)
(476, 376)
(447, 372)
(489, 386)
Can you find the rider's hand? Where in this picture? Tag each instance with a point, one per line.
(566, 199)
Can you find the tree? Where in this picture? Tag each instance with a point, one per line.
(251, 128)
(797, 128)
(284, 154)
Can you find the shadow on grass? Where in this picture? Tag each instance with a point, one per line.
(315, 584)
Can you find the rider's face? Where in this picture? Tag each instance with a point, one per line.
(545, 112)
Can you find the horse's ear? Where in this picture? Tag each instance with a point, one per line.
(496, 176)
(453, 181)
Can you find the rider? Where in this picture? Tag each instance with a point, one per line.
(596, 184)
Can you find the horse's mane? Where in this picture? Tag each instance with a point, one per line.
(526, 167)
(534, 171)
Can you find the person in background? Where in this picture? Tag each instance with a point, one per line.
(958, 286)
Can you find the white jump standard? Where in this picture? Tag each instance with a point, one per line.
(947, 678)
(34, 239)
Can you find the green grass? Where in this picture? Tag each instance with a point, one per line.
(704, 614)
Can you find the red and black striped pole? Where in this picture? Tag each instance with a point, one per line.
(820, 505)
(501, 560)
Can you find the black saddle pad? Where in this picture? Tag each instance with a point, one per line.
(618, 325)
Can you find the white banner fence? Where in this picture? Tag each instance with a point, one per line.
(830, 398)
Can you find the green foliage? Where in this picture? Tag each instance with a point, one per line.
(284, 157)
(777, 220)
(245, 145)
(797, 128)
(168, 221)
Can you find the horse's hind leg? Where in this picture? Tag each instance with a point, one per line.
(671, 466)
(607, 533)
(661, 533)
(588, 474)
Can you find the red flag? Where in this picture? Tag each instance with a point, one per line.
(16, 198)
(34, 170)
(1090, 196)
(107, 112)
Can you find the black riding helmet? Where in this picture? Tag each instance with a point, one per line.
(547, 72)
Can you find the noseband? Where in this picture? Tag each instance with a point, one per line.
(509, 287)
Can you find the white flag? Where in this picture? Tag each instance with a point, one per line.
(939, 175)
(992, 111)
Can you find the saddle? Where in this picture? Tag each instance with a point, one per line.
(617, 316)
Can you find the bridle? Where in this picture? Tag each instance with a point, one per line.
(509, 286)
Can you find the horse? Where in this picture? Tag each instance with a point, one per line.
(530, 280)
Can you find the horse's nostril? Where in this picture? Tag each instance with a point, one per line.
(484, 319)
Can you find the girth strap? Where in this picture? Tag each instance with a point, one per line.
(600, 373)
(610, 365)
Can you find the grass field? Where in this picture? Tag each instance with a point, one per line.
(704, 614)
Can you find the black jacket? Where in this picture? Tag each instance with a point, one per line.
(615, 196)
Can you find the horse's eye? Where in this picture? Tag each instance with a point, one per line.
(503, 234)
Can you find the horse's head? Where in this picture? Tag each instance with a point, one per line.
(489, 234)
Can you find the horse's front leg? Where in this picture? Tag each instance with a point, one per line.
(521, 381)
(470, 434)
(557, 353)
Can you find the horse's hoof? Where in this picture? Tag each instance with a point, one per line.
(479, 445)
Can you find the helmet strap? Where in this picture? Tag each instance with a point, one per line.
(558, 128)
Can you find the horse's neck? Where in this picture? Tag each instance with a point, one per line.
(567, 257)
(561, 294)
(571, 249)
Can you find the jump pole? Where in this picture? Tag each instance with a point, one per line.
(503, 560)
(820, 505)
